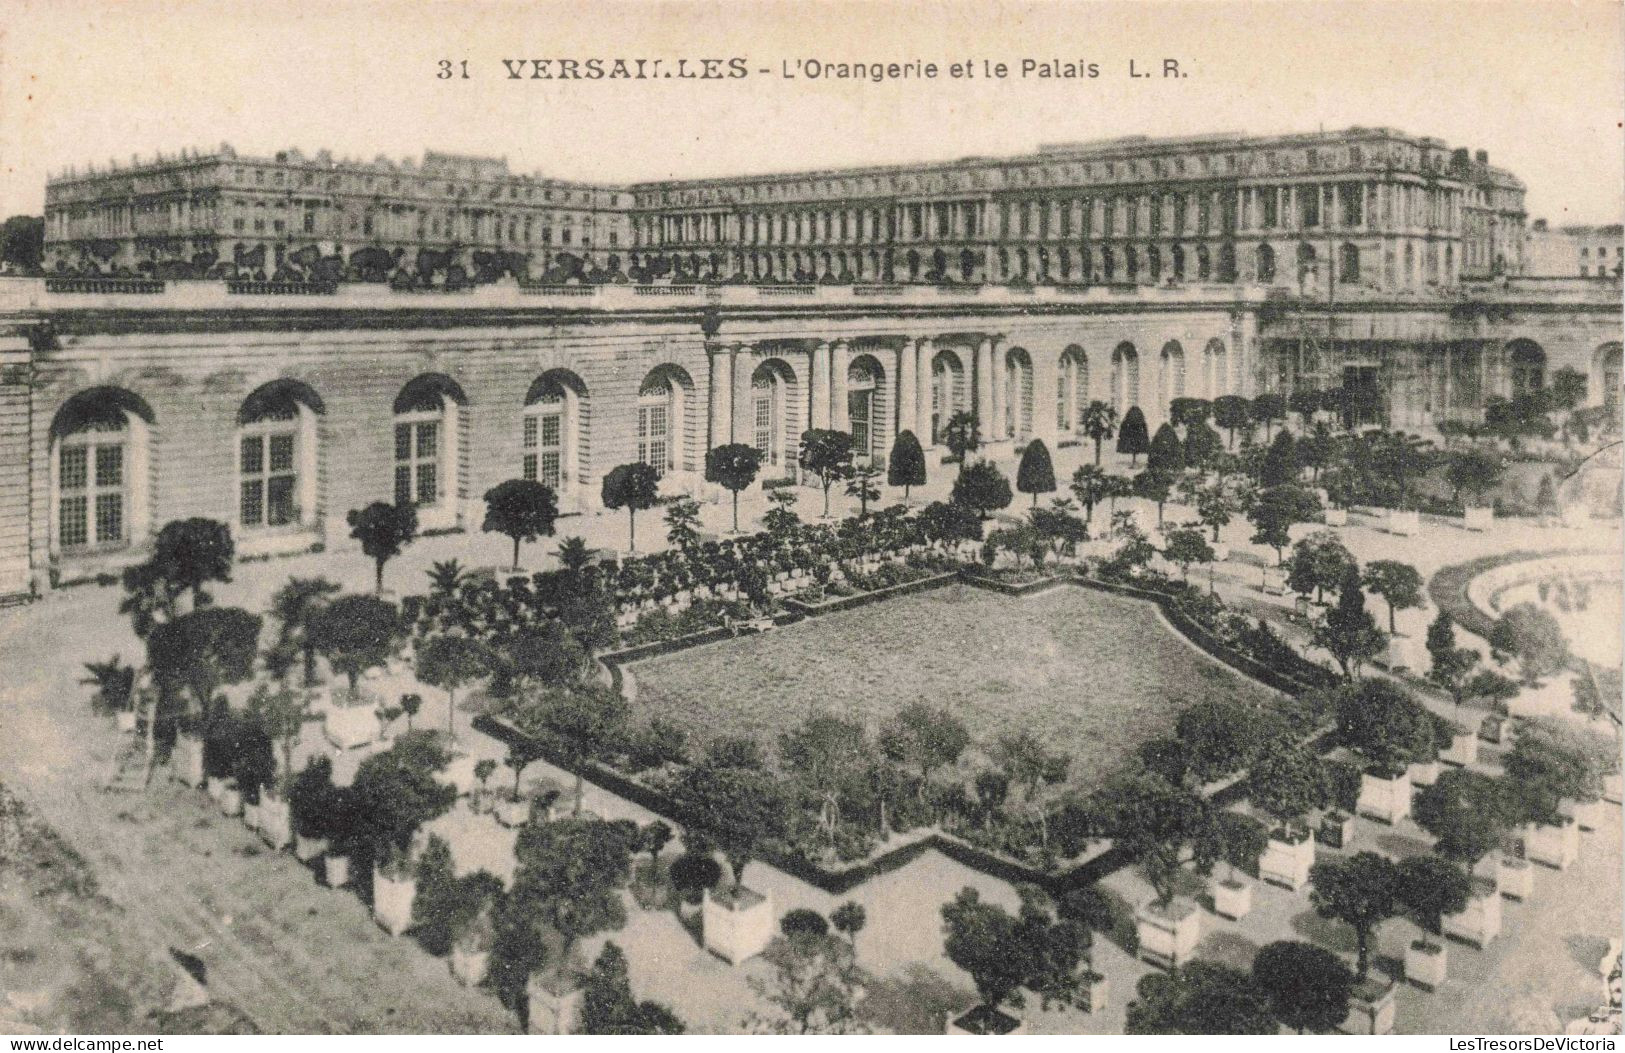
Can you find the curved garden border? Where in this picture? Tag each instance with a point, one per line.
(842, 880)
(1448, 586)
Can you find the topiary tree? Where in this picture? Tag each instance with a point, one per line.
(962, 434)
(1275, 511)
(1099, 424)
(1233, 413)
(1380, 721)
(983, 488)
(1202, 445)
(734, 467)
(1166, 453)
(801, 922)
(1308, 987)
(355, 633)
(383, 530)
(1451, 665)
(522, 509)
(1467, 812)
(449, 662)
(1267, 409)
(693, 873)
(1348, 631)
(1200, 998)
(1532, 636)
(1319, 562)
(1431, 887)
(1359, 890)
(848, 920)
(1155, 485)
(608, 1007)
(189, 553)
(1280, 467)
(636, 487)
(828, 455)
(1285, 781)
(444, 905)
(1036, 473)
(906, 467)
(1132, 435)
(1400, 584)
(199, 653)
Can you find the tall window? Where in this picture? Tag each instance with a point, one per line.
(944, 393)
(654, 425)
(269, 470)
(1018, 394)
(767, 428)
(543, 440)
(1072, 384)
(417, 459)
(860, 407)
(91, 485)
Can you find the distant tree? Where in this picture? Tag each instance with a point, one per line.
(608, 1007)
(860, 484)
(1468, 813)
(22, 243)
(1358, 890)
(190, 553)
(1155, 485)
(1380, 721)
(1474, 472)
(1187, 412)
(1186, 546)
(828, 455)
(1532, 636)
(1348, 631)
(1320, 561)
(445, 906)
(1089, 485)
(1027, 762)
(449, 662)
(1450, 664)
(1099, 424)
(1308, 986)
(924, 737)
(1216, 503)
(1280, 466)
(636, 487)
(1550, 762)
(1567, 388)
(1305, 402)
(849, 919)
(355, 633)
(1399, 584)
(946, 523)
(581, 723)
(1233, 413)
(693, 873)
(962, 434)
(1200, 998)
(682, 524)
(294, 606)
(982, 487)
(1431, 887)
(907, 465)
(1059, 526)
(521, 509)
(1132, 436)
(1036, 473)
(1274, 512)
(1314, 450)
(1546, 495)
(1202, 445)
(734, 467)
(201, 652)
(1166, 453)
(383, 531)
(1267, 409)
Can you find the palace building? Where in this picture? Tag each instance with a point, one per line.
(870, 301)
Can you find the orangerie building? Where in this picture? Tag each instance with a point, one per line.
(1133, 271)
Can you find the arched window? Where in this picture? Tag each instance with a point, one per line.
(1018, 394)
(770, 404)
(1125, 378)
(1218, 368)
(426, 436)
(658, 408)
(1072, 388)
(1173, 373)
(548, 431)
(99, 467)
(862, 385)
(1266, 263)
(1348, 266)
(277, 456)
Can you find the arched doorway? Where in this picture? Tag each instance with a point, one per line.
(1218, 369)
(1171, 374)
(864, 409)
(1125, 378)
(100, 440)
(551, 426)
(278, 457)
(948, 391)
(1265, 263)
(772, 400)
(1071, 388)
(1018, 395)
(661, 405)
(428, 430)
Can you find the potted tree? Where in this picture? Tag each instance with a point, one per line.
(1244, 840)
(115, 691)
(1549, 769)
(1308, 987)
(985, 940)
(1360, 891)
(1430, 887)
(356, 633)
(1389, 730)
(1285, 782)
(737, 808)
(1157, 824)
(1470, 814)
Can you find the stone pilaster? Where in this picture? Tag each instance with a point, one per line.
(722, 398)
(839, 359)
(818, 387)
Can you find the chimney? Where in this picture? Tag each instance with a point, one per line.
(1482, 157)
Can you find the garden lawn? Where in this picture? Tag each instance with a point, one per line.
(1092, 674)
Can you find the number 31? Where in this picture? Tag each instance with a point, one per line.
(446, 69)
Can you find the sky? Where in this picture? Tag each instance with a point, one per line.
(1537, 84)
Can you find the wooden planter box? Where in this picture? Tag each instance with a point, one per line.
(553, 1010)
(186, 762)
(1371, 1008)
(336, 871)
(392, 896)
(1463, 750)
(1515, 878)
(1336, 830)
(214, 786)
(1587, 815)
(468, 964)
(231, 801)
(1479, 519)
(351, 727)
(1337, 517)
(1286, 862)
(124, 720)
(1480, 922)
(275, 822)
(1387, 800)
(1406, 523)
(1424, 773)
(1553, 846)
(984, 1021)
(738, 923)
(306, 849)
(1233, 899)
(1426, 964)
(1168, 935)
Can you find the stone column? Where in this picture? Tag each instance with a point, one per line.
(744, 414)
(721, 399)
(839, 420)
(984, 387)
(996, 430)
(907, 399)
(1046, 392)
(923, 350)
(818, 386)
